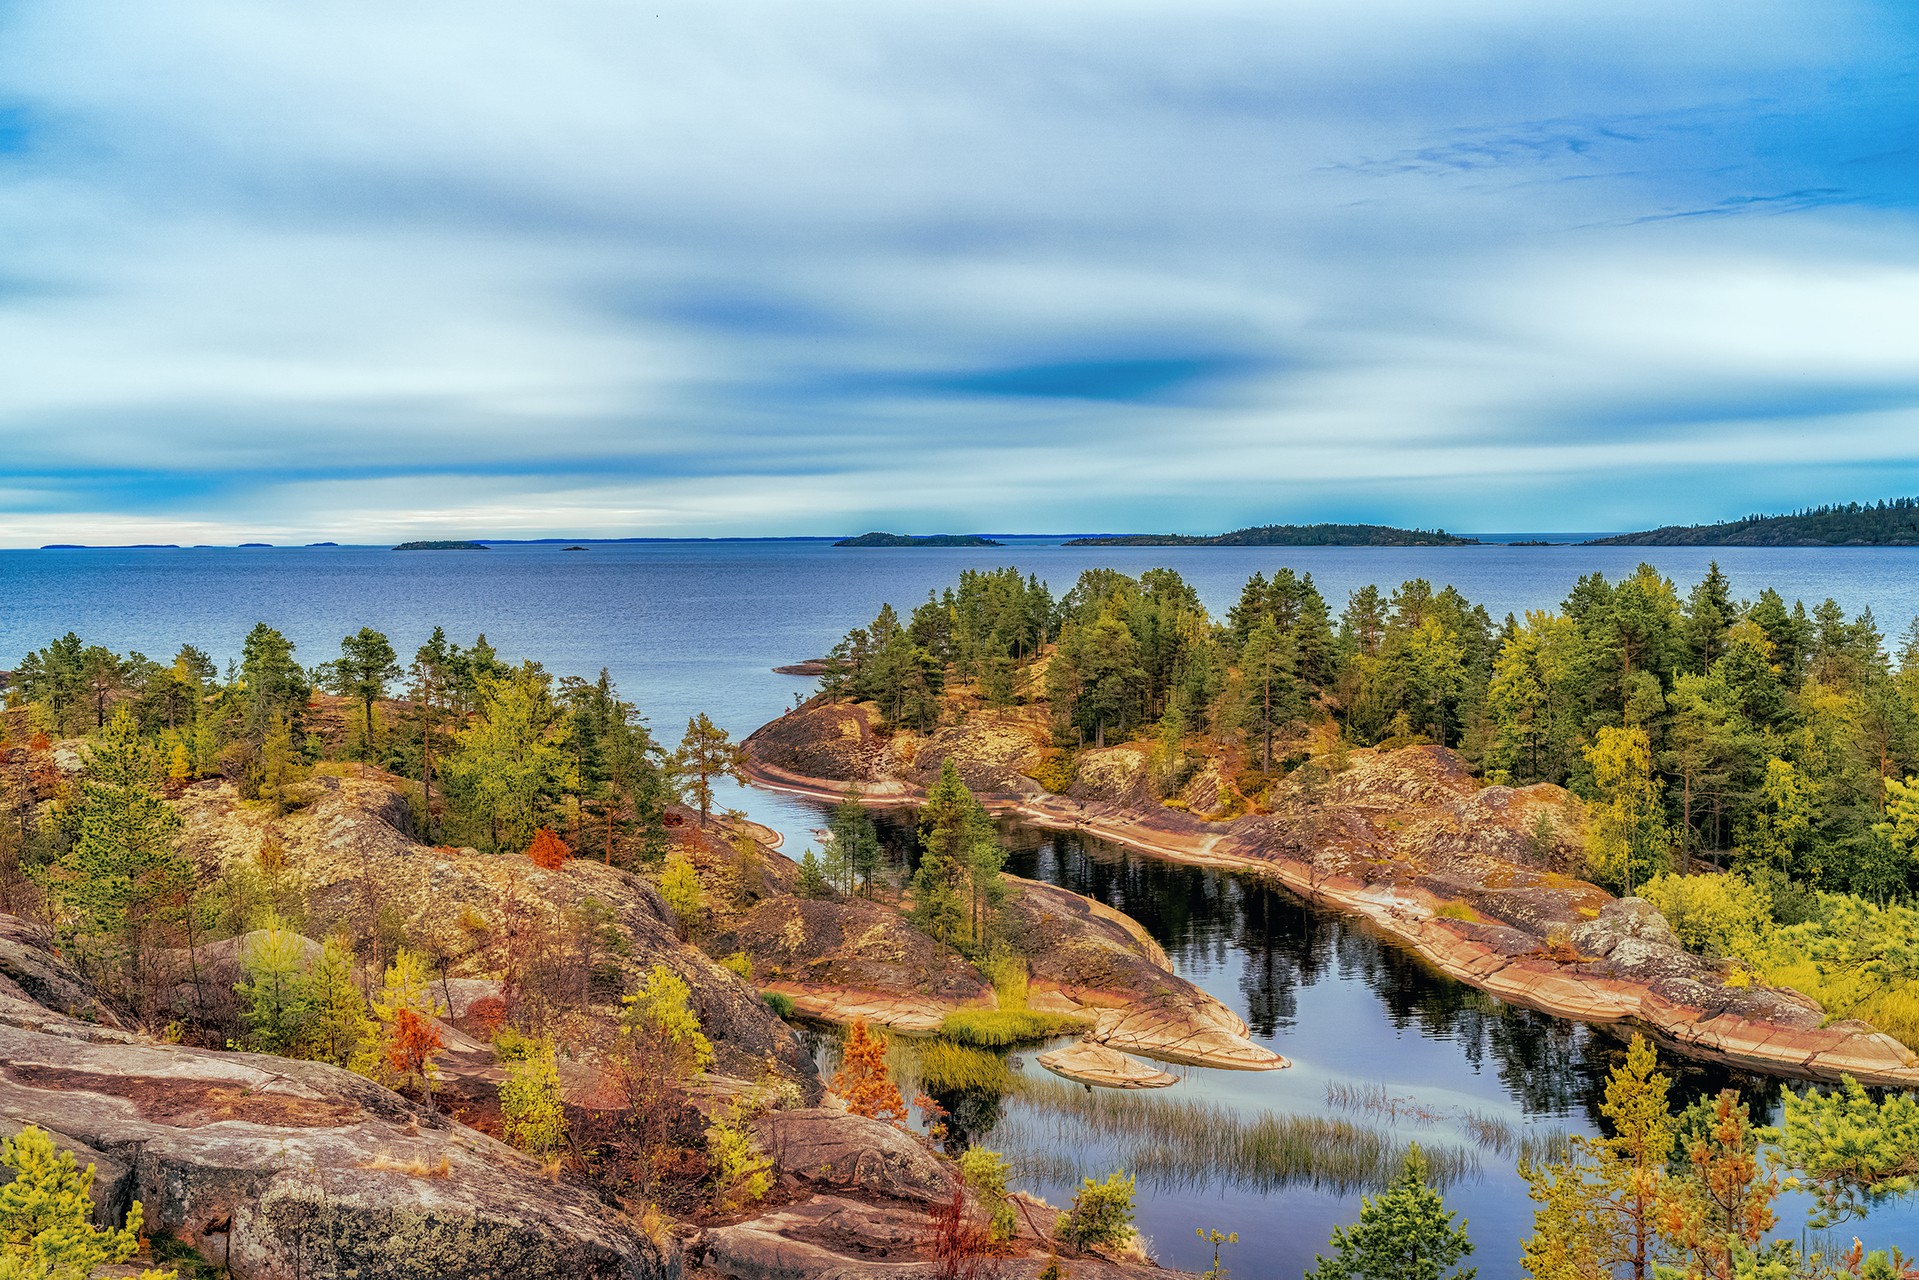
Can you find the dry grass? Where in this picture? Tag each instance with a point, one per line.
(414, 1168)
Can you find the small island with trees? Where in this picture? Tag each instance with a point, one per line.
(1853, 524)
(443, 544)
(912, 540)
(1288, 535)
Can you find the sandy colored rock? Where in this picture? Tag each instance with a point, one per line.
(1102, 1065)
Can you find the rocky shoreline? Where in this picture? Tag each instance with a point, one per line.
(1588, 956)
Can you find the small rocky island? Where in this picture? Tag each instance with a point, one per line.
(442, 544)
(1288, 535)
(917, 540)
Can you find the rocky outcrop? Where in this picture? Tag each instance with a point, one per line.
(841, 1153)
(354, 857)
(1472, 878)
(829, 1238)
(842, 959)
(279, 1169)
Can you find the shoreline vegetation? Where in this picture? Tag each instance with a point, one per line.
(1738, 773)
(1892, 523)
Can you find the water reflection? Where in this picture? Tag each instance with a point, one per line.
(1275, 946)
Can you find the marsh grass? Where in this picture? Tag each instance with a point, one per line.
(1184, 1143)
(943, 1067)
(1376, 1099)
(1003, 1028)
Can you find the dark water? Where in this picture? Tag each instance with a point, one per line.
(696, 627)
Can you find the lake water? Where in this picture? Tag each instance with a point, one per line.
(689, 627)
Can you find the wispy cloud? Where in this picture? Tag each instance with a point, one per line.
(358, 269)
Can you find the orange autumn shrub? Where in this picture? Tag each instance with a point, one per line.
(548, 850)
(863, 1080)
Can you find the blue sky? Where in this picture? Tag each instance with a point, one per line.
(289, 272)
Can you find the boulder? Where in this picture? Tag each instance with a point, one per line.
(1090, 1063)
(286, 1170)
(835, 1151)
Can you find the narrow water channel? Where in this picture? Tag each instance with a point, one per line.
(1435, 1062)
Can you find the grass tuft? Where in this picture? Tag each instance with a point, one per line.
(1003, 1028)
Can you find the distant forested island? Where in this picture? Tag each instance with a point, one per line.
(908, 540)
(1289, 535)
(1854, 524)
(448, 544)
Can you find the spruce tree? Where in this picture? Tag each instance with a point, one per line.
(1406, 1233)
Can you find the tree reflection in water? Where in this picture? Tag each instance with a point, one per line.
(1209, 920)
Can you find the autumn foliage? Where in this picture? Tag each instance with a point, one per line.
(863, 1080)
(548, 850)
(412, 1043)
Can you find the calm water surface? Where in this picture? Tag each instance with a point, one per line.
(688, 627)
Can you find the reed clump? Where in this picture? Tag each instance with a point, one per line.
(1003, 1028)
(1189, 1143)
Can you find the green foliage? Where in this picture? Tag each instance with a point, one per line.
(1714, 915)
(1002, 1028)
(738, 963)
(1852, 1150)
(1101, 1213)
(780, 1003)
(509, 765)
(122, 887)
(275, 992)
(1216, 1238)
(986, 1173)
(812, 880)
(680, 888)
(46, 1216)
(854, 857)
(742, 1173)
(706, 755)
(1629, 841)
(338, 1026)
(1406, 1233)
(658, 1012)
(958, 883)
(530, 1105)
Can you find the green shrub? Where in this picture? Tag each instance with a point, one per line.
(1720, 914)
(1102, 1213)
(738, 963)
(985, 1173)
(1001, 1028)
(779, 1002)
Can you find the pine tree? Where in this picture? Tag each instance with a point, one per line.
(365, 665)
(46, 1216)
(123, 884)
(706, 755)
(948, 824)
(409, 1040)
(856, 844)
(1716, 1217)
(509, 767)
(338, 1027)
(547, 851)
(1852, 1150)
(1599, 1209)
(1629, 840)
(863, 1079)
(275, 991)
(1406, 1233)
